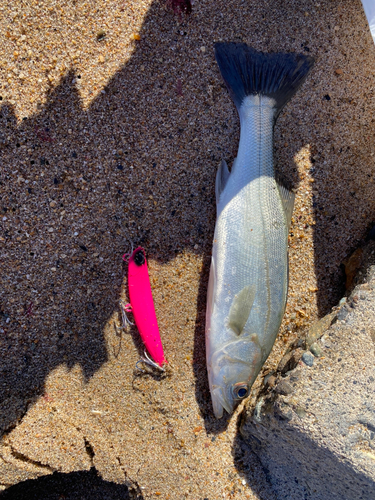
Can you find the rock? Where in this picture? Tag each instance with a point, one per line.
(316, 350)
(289, 361)
(284, 388)
(270, 380)
(317, 330)
(301, 412)
(318, 441)
(308, 358)
(342, 314)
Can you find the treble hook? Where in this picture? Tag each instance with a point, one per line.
(148, 361)
(124, 309)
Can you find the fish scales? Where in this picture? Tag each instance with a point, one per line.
(249, 270)
(251, 231)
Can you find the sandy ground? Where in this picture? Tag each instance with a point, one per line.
(113, 121)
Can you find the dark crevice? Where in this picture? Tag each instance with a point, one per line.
(90, 451)
(24, 458)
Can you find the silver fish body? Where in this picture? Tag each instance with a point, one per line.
(249, 270)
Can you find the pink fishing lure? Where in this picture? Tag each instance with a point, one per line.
(142, 305)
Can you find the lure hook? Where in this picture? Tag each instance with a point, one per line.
(126, 256)
(148, 361)
(124, 309)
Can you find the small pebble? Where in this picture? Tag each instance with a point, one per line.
(100, 35)
(300, 412)
(308, 358)
(316, 350)
(288, 415)
(269, 380)
(284, 388)
(342, 314)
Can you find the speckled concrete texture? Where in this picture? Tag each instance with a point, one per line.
(113, 121)
(314, 432)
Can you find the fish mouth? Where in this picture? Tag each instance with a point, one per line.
(220, 403)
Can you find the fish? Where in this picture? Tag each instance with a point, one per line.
(142, 305)
(248, 280)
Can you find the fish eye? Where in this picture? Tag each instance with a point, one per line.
(241, 390)
(139, 258)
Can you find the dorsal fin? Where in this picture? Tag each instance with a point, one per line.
(221, 179)
(287, 198)
(240, 309)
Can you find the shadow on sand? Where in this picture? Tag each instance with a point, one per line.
(73, 486)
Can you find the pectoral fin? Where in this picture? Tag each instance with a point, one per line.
(221, 179)
(240, 309)
(287, 198)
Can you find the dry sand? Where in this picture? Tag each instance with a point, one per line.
(113, 121)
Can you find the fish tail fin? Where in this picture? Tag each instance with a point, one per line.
(249, 72)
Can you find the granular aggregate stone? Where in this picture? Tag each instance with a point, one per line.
(113, 121)
(316, 441)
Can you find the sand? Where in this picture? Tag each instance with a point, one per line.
(113, 121)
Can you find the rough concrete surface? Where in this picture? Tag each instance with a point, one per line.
(113, 121)
(314, 432)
